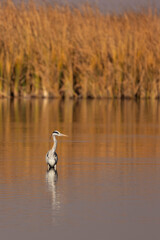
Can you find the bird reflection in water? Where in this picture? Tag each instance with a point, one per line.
(51, 180)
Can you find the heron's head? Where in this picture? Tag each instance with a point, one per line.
(56, 133)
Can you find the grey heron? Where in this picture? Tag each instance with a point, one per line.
(51, 156)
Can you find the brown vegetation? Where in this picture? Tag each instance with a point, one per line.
(52, 51)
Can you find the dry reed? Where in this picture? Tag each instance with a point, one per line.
(56, 51)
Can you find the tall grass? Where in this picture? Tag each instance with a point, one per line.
(56, 51)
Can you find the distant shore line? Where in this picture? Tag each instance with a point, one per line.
(61, 52)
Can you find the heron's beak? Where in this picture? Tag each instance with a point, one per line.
(63, 135)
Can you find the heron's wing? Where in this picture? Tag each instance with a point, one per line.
(55, 156)
(48, 155)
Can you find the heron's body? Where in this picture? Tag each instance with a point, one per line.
(51, 156)
(51, 159)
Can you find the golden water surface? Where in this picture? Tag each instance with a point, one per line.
(107, 185)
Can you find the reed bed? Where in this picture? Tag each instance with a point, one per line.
(58, 51)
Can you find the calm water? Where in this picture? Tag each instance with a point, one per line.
(108, 181)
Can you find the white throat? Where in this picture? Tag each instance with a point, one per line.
(55, 144)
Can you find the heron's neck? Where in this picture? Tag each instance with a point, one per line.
(55, 144)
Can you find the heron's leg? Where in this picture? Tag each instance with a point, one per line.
(55, 167)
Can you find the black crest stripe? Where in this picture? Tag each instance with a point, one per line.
(56, 132)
